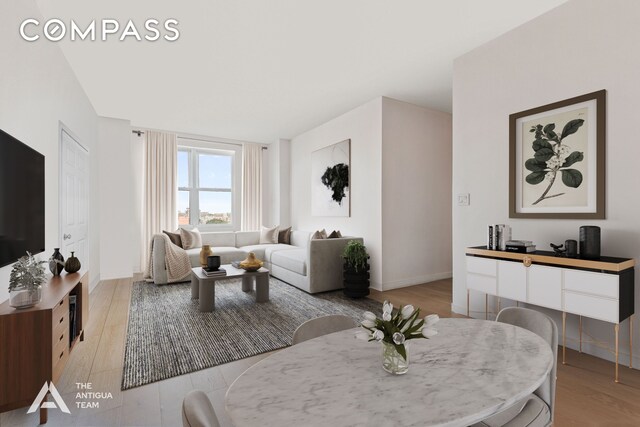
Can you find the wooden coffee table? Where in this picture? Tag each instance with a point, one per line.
(204, 288)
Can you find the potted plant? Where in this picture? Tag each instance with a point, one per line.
(25, 282)
(356, 270)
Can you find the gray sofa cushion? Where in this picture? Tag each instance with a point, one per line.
(261, 250)
(271, 249)
(227, 255)
(294, 260)
(220, 239)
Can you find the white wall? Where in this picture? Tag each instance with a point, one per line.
(580, 47)
(116, 199)
(416, 194)
(37, 91)
(363, 126)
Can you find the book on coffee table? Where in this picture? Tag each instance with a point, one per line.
(214, 273)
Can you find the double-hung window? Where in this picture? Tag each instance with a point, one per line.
(207, 196)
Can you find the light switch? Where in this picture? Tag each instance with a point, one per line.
(463, 199)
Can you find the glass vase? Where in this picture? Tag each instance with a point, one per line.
(392, 361)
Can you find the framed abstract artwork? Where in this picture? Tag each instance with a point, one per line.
(557, 159)
(331, 180)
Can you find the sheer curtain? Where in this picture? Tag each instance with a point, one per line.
(160, 187)
(251, 187)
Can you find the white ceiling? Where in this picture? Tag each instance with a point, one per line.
(258, 70)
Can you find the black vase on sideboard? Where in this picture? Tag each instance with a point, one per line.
(73, 264)
(56, 262)
(590, 242)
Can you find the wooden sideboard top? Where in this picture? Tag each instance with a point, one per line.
(52, 292)
(547, 257)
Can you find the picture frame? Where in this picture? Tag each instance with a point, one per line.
(557, 159)
(331, 180)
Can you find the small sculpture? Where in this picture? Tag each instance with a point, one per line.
(251, 263)
(558, 250)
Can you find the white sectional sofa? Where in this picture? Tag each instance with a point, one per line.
(311, 265)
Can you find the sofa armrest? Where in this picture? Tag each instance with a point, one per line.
(326, 263)
(159, 272)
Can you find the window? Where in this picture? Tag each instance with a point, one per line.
(206, 190)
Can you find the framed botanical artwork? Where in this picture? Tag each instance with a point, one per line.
(331, 180)
(557, 159)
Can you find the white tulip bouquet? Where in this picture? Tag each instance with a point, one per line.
(396, 329)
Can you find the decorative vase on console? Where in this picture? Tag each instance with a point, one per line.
(56, 262)
(205, 253)
(25, 282)
(73, 264)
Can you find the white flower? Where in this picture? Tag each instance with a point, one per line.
(378, 335)
(368, 323)
(431, 320)
(387, 307)
(398, 338)
(407, 311)
(429, 332)
(363, 335)
(386, 316)
(369, 316)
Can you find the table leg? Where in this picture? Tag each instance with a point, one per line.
(467, 302)
(207, 295)
(631, 341)
(195, 287)
(247, 283)
(564, 336)
(617, 329)
(580, 332)
(262, 288)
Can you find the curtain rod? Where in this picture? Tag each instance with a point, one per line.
(140, 132)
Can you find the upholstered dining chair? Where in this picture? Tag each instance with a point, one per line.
(197, 410)
(536, 410)
(322, 326)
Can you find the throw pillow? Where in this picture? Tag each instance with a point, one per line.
(191, 239)
(318, 235)
(335, 234)
(284, 236)
(269, 235)
(323, 232)
(174, 237)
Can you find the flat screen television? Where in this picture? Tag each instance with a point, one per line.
(21, 200)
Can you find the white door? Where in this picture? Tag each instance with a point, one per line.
(74, 198)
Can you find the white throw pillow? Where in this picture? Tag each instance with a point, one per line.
(319, 235)
(269, 235)
(191, 239)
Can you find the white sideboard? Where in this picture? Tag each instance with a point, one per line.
(599, 289)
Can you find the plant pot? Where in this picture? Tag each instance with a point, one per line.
(356, 283)
(25, 298)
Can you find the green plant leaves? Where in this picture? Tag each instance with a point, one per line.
(544, 154)
(535, 177)
(534, 165)
(571, 127)
(571, 177)
(539, 144)
(574, 157)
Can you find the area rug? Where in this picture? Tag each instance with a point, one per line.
(168, 336)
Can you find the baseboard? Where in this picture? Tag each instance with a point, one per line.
(415, 280)
(94, 283)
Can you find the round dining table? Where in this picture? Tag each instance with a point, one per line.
(471, 370)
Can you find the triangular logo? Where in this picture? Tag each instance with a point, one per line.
(38, 402)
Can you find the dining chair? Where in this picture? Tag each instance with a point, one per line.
(197, 411)
(536, 409)
(322, 326)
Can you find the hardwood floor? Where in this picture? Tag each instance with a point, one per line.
(586, 393)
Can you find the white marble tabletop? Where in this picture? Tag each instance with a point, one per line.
(470, 370)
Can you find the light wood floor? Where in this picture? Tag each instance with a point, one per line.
(586, 393)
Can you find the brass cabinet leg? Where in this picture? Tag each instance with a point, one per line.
(580, 329)
(631, 341)
(564, 342)
(617, 329)
(486, 306)
(468, 303)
